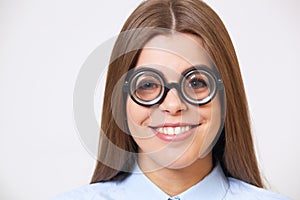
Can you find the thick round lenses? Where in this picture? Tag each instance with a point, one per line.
(198, 86)
(147, 87)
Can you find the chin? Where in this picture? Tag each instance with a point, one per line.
(183, 162)
(179, 162)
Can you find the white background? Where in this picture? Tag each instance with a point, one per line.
(43, 44)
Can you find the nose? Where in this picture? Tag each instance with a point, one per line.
(172, 103)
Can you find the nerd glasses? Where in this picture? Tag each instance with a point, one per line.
(198, 85)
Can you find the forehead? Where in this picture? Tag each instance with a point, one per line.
(175, 52)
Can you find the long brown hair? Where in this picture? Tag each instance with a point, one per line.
(234, 149)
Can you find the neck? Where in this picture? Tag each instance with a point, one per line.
(175, 181)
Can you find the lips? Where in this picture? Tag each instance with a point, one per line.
(174, 132)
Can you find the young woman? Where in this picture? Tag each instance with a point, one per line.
(175, 121)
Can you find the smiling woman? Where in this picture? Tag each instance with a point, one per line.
(184, 119)
(175, 120)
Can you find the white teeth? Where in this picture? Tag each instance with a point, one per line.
(177, 130)
(173, 130)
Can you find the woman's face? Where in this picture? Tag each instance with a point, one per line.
(174, 133)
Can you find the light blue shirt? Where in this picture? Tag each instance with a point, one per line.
(215, 186)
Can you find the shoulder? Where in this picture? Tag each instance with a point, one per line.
(96, 191)
(239, 189)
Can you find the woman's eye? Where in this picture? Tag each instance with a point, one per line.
(147, 85)
(197, 83)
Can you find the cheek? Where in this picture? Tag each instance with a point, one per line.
(199, 114)
(211, 129)
(210, 113)
(138, 120)
(138, 117)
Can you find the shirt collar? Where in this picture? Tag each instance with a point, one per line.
(213, 186)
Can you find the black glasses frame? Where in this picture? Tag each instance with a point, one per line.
(215, 79)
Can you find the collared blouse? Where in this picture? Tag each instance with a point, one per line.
(215, 186)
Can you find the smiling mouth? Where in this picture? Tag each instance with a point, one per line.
(176, 130)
